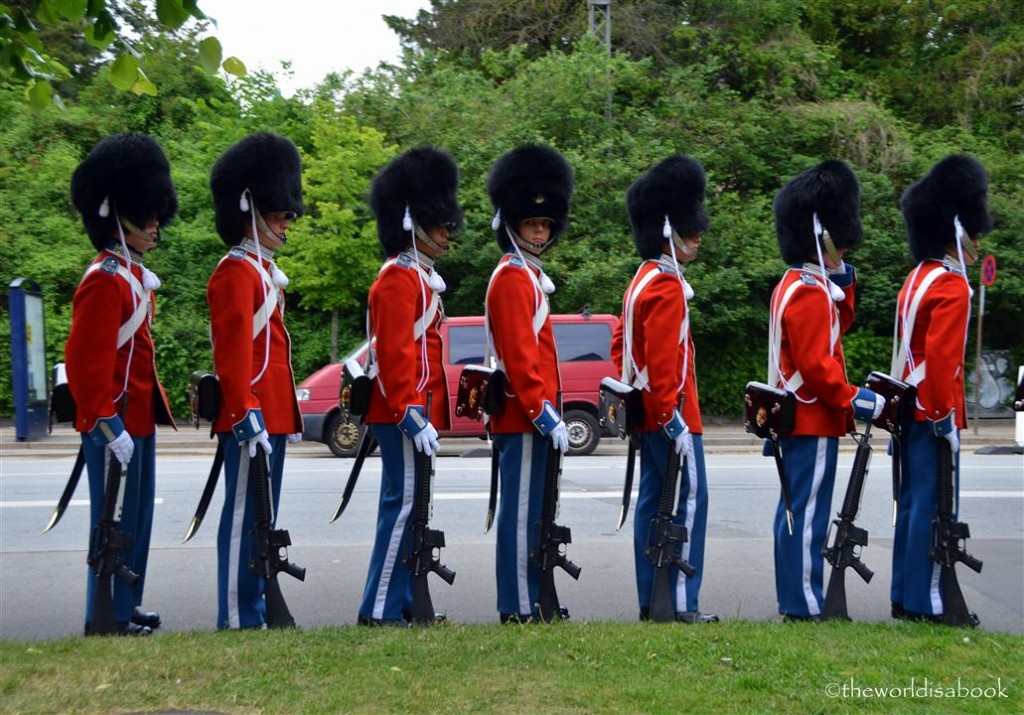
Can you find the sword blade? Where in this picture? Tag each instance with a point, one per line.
(367, 443)
(204, 500)
(627, 489)
(777, 452)
(492, 496)
(69, 490)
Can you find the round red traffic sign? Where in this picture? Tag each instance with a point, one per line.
(988, 270)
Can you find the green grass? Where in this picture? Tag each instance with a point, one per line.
(735, 666)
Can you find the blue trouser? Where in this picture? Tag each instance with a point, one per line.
(809, 464)
(139, 492)
(388, 590)
(522, 463)
(240, 601)
(915, 575)
(691, 511)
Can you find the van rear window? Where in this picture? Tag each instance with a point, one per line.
(581, 342)
(466, 344)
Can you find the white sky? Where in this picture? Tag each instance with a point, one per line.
(317, 36)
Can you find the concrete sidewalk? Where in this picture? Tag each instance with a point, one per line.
(719, 437)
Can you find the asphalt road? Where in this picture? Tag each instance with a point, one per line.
(42, 577)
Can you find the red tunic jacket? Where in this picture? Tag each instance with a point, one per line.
(396, 304)
(659, 317)
(96, 366)
(529, 359)
(937, 340)
(235, 293)
(809, 329)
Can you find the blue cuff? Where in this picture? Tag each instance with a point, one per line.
(766, 449)
(940, 428)
(846, 279)
(414, 421)
(107, 429)
(675, 426)
(864, 405)
(249, 426)
(548, 418)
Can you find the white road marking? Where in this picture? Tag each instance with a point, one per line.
(9, 504)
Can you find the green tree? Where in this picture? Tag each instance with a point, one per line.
(331, 257)
(36, 58)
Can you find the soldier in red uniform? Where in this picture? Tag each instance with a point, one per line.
(817, 220)
(257, 193)
(529, 188)
(414, 201)
(653, 349)
(124, 192)
(946, 213)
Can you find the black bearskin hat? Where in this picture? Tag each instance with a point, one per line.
(425, 180)
(956, 186)
(829, 189)
(131, 173)
(531, 181)
(675, 188)
(268, 166)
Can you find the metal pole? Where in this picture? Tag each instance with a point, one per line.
(977, 357)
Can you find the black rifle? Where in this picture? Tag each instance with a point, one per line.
(948, 537)
(665, 540)
(270, 545)
(426, 543)
(551, 540)
(106, 551)
(845, 549)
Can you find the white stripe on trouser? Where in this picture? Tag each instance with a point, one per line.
(806, 556)
(395, 542)
(523, 526)
(934, 591)
(237, 533)
(691, 514)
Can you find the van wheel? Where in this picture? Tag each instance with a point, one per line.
(342, 436)
(584, 432)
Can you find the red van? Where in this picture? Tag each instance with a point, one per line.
(584, 352)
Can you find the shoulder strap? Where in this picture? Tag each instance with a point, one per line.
(427, 318)
(901, 339)
(138, 316)
(270, 293)
(775, 376)
(629, 370)
(542, 308)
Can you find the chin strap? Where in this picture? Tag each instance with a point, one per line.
(546, 284)
(834, 291)
(963, 241)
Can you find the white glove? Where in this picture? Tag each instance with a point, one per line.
(122, 447)
(262, 439)
(684, 443)
(426, 440)
(560, 437)
(953, 437)
(295, 438)
(678, 431)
